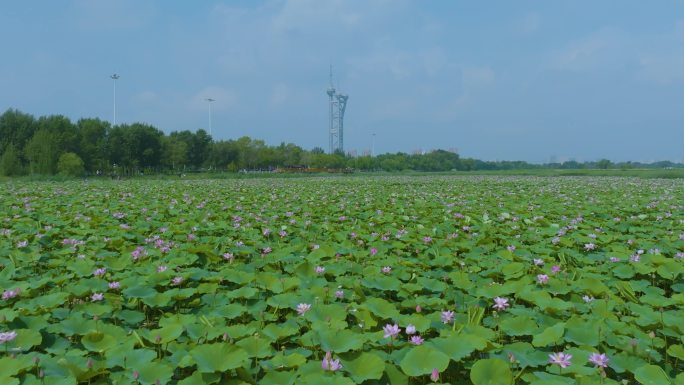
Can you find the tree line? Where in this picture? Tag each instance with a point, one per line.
(53, 144)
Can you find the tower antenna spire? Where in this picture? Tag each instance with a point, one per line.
(337, 106)
(331, 77)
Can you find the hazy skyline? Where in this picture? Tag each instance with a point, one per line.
(523, 80)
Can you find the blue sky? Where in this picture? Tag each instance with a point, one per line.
(526, 80)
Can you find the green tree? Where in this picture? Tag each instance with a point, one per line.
(92, 145)
(174, 153)
(10, 164)
(604, 164)
(43, 151)
(70, 164)
(16, 128)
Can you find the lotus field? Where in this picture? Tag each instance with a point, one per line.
(343, 280)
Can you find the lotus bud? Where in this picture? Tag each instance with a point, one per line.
(434, 376)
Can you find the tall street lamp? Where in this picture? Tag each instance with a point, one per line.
(210, 100)
(114, 77)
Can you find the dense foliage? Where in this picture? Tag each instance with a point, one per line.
(34, 146)
(370, 281)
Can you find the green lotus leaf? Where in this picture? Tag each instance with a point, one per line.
(98, 341)
(123, 356)
(26, 339)
(340, 341)
(198, 378)
(519, 326)
(165, 334)
(10, 366)
(491, 371)
(256, 346)
(651, 375)
(278, 378)
(381, 308)
(219, 357)
(288, 361)
(676, 351)
(422, 359)
(550, 336)
(139, 292)
(455, 347)
(151, 372)
(395, 375)
(364, 366)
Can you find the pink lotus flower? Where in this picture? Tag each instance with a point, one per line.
(427, 239)
(418, 309)
(434, 376)
(138, 252)
(99, 272)
(510, 248)
(589, 246)
(161, 269)
(391, 330)
(501, 303)
(555, 269)
(22, 244)
(228, 257)
(387, 269)
(447, 316)
(560, 359)
(410, 329)
(114, 285)
(339, 294)
(587, 298)
(97, 297)
(303, 308)
(9, 294)
(320, 269)
(373, 251)
(599, 360)
(416, 340)
(538, 262)
(177, 281)
(7, 336)
(542, 279)
(330, 364)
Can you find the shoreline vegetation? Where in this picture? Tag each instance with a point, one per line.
(54, 145)
(675, 173)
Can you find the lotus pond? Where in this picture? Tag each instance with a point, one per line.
(383, 280)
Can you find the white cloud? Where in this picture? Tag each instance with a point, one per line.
(477, 77)
(604, 48)
(280, 94)
(306, 14)
(106, 14)
(662, 60)
(147, 97)
(528, 24)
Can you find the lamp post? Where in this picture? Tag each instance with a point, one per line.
(114, 77)
(210, 100)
